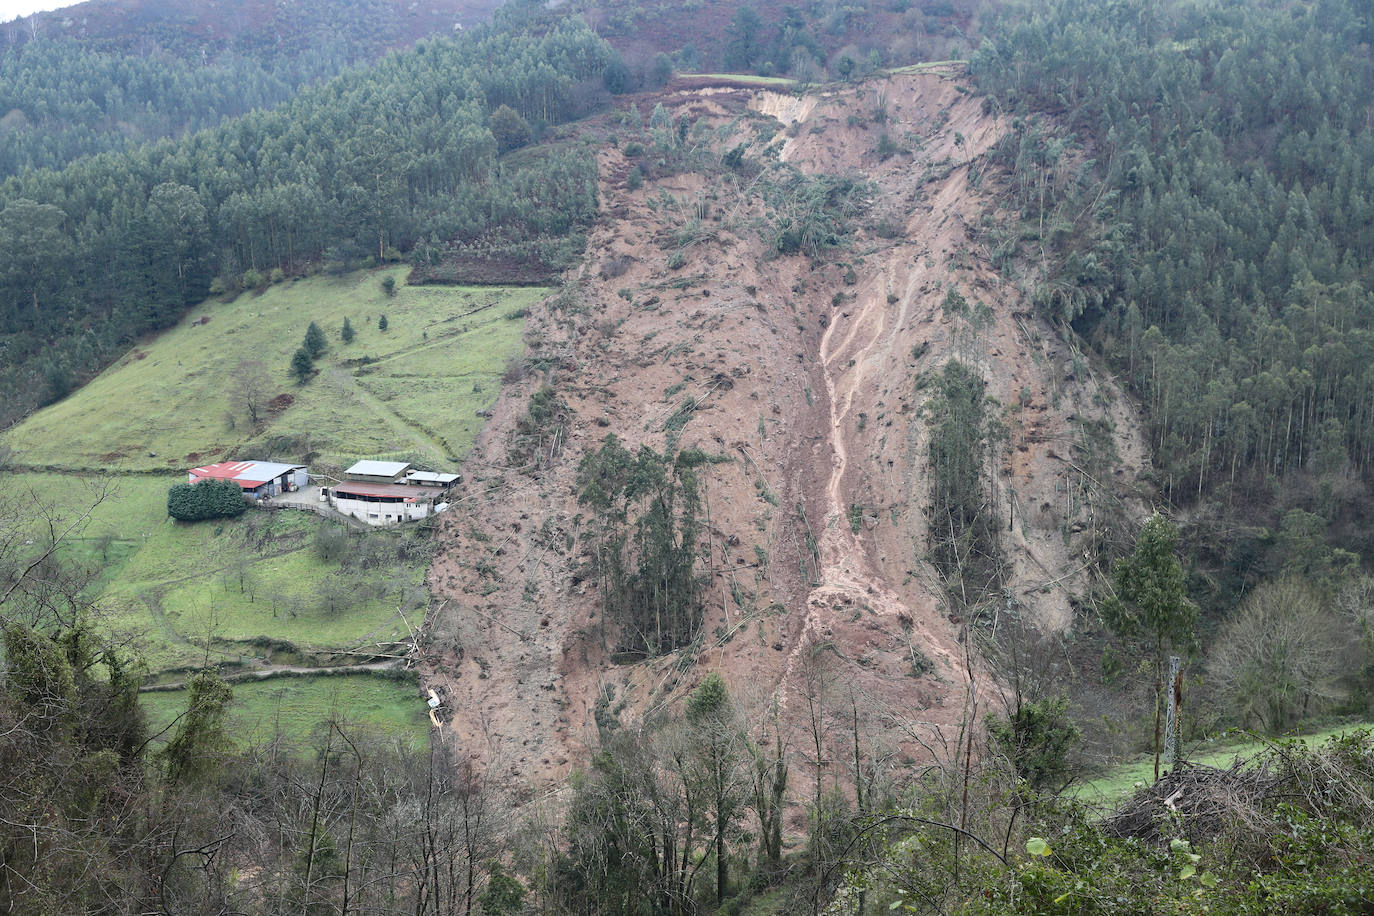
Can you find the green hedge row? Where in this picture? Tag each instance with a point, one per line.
(193, 502)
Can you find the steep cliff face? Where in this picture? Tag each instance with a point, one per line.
(802, 375)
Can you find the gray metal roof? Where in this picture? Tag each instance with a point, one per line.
(269, 469)
(369, 468)
(431, 477)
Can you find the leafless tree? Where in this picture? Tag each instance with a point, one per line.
(250, 388)
(1279, 653)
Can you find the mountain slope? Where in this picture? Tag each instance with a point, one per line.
(801, 375)
(207, 28)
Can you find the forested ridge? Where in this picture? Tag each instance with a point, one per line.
(102, 76)
(1207, 224)
(61, 100)
(366, 166)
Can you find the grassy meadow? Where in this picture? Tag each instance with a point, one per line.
(1119, 782)
(221, 591)
(412, 390)
(294, 707)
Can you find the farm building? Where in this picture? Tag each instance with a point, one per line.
(386, 503)
(431, 479)
(383, 472)
(258, 479)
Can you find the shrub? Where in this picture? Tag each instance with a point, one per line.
(193, 502)
(1036, 738)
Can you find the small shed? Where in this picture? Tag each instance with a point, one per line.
(432, 479)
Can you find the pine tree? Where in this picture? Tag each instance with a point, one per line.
(315, 344)
(302, 365)
(381, 323)
(1151, 601)
(717, 743)
(347, 332)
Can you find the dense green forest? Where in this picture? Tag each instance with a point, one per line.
(61, 100)
(1207, 224)
(109, 76)
(373, 163)
(809, 41)
(277, 33)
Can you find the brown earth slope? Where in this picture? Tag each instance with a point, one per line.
(803, 375)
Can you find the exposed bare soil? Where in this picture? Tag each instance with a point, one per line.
(804, 377)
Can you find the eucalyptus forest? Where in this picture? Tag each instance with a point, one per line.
(928, 469)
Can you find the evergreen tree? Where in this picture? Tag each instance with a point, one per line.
(201, 739)
(302, 366)
(381, 323)
(718, 744)
(1151, 602)
(315, 343)
(206, 499)
(347, 333)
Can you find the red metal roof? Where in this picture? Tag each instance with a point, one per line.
(225, 470)
(228, 470)
(354, 488)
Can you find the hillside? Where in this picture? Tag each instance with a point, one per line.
(207, 29)
(882, 450)
(803, 378)
(256, 594)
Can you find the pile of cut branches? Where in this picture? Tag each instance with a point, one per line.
(1241, 801)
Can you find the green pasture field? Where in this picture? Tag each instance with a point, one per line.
(295, 707)
(171, 590)
(1116, 784)
(165, 405)
(746, 78)
(182, 595)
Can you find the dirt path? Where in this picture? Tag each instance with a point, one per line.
(399, 425)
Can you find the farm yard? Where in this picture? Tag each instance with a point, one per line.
(268, 588)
